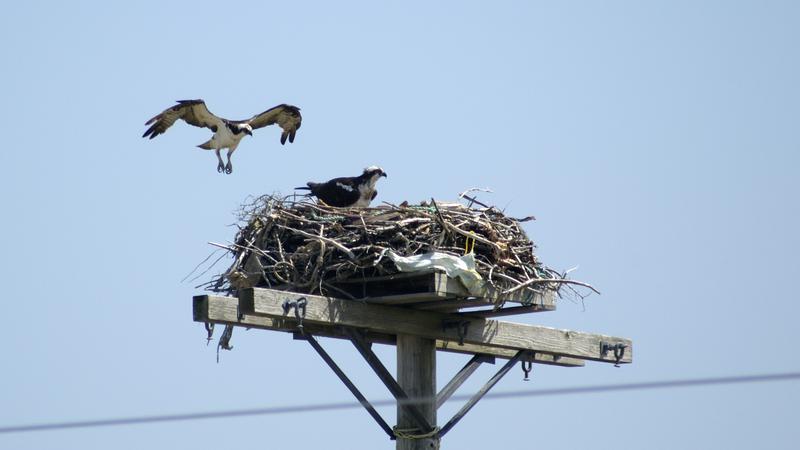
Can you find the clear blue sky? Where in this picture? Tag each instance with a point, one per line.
(657, 143)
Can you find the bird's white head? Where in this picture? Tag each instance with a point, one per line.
(371, 176)
(247, 128)
(374, 172)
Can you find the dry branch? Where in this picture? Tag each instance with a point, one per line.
(310, 248)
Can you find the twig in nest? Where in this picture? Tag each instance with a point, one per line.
(549, 280)
(321, 238)
(224, 247)
(455, 229)
(311, 248)
(201, 263)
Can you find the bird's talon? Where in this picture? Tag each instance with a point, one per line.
(227, 133)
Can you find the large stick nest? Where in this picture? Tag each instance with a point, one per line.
(308, 247)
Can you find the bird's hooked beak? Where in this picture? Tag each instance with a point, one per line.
(383, 174)
(247, 130)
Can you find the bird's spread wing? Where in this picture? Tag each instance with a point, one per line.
(194, 112)
(286, 116)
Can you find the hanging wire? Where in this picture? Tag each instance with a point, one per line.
(648, 385)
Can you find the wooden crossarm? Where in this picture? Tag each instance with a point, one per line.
(429, 324)
(225, 310)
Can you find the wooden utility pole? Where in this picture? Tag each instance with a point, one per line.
(416, 374)
(419, 323)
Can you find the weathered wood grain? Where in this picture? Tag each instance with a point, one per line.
(395, 320)
(406, 299)
(512, 311)
(225, 310)
(416, 374)
(437, 288)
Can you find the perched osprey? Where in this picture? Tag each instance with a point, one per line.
(227, 133)
(348, 191)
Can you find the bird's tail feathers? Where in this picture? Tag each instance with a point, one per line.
(206, 145)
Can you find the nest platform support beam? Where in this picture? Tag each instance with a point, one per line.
(409, 408)
(417, 334)
(353, 389)
(416, 374)
(461, 377)
(484, 390)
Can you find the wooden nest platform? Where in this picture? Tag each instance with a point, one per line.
(446, 257)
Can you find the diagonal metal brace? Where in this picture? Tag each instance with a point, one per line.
(475, 398)
(397, 391)
(461, 377)
(353, 389)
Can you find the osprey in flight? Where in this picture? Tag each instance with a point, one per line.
(227, 133)
(348, 192)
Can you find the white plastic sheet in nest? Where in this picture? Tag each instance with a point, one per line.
(461, 267)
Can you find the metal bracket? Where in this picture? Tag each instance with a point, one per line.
(210, 331)
(618, 349)
(461, 326)
(298, 305)
(527, 367)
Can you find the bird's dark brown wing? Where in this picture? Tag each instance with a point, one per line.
(193, 112)
(286, 116)
(339, 192)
